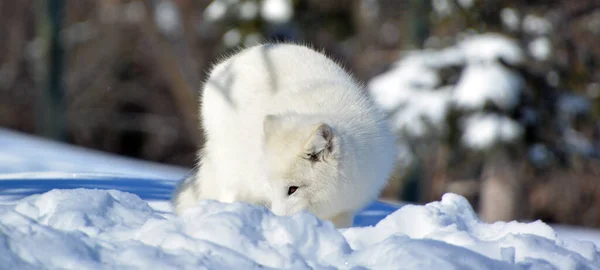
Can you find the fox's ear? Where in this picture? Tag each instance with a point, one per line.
(320, 140)
(269, 124)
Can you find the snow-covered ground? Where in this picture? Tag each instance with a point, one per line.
(20, 153)
(90, 229)
(93, 212)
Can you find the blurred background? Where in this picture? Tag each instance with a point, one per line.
(498, 101)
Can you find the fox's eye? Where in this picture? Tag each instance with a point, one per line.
(292, 189)
(312, 157)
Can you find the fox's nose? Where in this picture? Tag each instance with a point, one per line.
(278, 209)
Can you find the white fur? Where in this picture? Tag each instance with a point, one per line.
(264, 111)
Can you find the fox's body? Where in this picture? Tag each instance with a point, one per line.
(283, 119)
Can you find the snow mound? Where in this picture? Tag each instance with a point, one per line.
(89, 229)
(20, 153)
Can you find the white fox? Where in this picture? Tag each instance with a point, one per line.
(288, 128)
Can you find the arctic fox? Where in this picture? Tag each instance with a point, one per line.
(288, 128)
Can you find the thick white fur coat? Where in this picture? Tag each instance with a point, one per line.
(280, 116)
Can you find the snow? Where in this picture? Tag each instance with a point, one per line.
(167, 17)
(277, 11)
(273, 11)
(576, 232)
(75, 218)
(216, 10)
(483, 131)
(232, 38)
(540, 48)
(452, 221)
(466, 3)
(86, 229)
(416, 99)
(21, 153)
(484, 83)
(510, 19)
(442, 7)
(411, 92)
(490, 47)
(536, 25)
(248, 10)
(429, 108)
(395, 87)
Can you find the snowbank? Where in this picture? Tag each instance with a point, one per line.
(22, 153)
(84, 229)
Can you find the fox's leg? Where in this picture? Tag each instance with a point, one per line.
(186, 194)
(343, 220)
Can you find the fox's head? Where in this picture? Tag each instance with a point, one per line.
(302, 159)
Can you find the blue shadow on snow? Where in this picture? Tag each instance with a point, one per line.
(147, 189)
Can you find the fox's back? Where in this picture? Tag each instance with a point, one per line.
(275, 79)
(280, 77)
